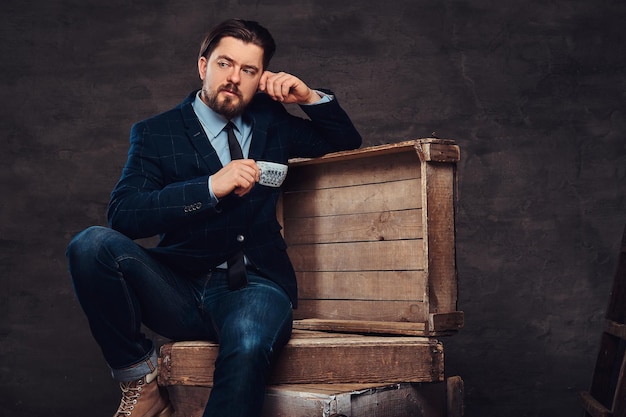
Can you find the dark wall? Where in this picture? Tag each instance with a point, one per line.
(532, 91)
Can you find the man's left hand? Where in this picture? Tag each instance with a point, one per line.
(287, 88)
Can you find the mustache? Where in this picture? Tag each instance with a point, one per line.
(231, 88)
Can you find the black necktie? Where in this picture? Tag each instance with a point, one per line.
(236, 273)
(233, 144)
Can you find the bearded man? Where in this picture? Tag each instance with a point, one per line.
(220, 271)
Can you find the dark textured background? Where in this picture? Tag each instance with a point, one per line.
(533, 92)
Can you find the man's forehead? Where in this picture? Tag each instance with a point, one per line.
(243, 53)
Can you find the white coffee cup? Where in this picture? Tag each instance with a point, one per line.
(272, 173)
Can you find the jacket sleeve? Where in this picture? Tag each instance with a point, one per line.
(144, 203)
(327, 129)
(332, 130)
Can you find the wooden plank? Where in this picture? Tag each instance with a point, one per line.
(402, 311)
(324, 400)
(337, 359)
(443, 322)
(368, 198)
(400, 400)
(388, 359)
(395, 255)
(455, 390)
(323, 389)
(439, 227)
(615, 329)
(302, 334)
(367, 170)
(608, 385)
(593, 407)
(616, 310)
(357, 227)
(289, 401)
(608, 359)
(363, 285)
(362, 326)
(438, 152)
(619, 397)
(388, 149)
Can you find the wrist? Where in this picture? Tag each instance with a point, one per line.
(313, 97)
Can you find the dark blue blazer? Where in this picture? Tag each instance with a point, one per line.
(163, 189)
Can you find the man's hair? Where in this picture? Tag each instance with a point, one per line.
(247, 31)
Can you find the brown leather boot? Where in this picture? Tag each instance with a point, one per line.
(142, 398)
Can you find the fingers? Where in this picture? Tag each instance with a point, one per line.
(286, 88)
(238, 176)
(276, 85)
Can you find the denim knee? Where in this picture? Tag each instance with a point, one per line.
(255, 345)
(87, 242)
(252, 347)
(85, 251)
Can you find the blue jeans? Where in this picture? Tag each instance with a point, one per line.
(120, 286)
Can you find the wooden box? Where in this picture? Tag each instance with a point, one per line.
(372, 238)
(371, 235)
(350, 400)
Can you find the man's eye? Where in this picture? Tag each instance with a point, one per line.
(249, 71)
(222, 64)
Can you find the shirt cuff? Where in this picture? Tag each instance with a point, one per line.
(325, 98)
(214, 199)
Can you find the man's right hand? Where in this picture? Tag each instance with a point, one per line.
(239, 176)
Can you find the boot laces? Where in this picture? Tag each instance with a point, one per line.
(131, 391)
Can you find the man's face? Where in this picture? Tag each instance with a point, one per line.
(230, 76)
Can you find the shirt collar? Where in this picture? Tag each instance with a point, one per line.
(213, 122)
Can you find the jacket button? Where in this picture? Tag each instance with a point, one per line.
(240, 238)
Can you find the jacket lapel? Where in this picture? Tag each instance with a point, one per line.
(259, 137)
(199, 139)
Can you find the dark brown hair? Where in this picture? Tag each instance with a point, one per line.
(245, 30)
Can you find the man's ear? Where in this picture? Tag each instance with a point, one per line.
(202, 65)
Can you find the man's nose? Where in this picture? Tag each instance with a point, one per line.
(234, 76)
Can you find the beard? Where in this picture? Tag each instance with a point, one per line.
(229, 107)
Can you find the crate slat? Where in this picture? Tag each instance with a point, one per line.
(312, 359)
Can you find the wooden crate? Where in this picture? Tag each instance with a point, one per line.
(442, 399)
(371, 235)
